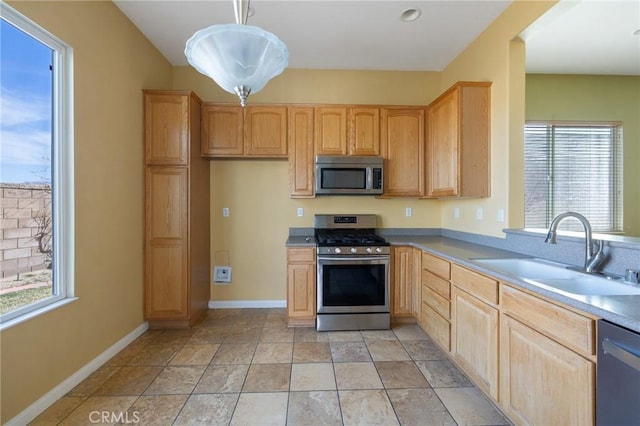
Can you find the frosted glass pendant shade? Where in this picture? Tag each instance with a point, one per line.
(239, 58)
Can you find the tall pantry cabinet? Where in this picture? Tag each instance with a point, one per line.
(176, 229)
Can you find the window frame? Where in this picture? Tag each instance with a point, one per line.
(617, 165)
(62, 165)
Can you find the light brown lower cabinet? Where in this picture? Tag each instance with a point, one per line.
(474, 326)
(301, 286)
(474, 339)
(404, 282)
(435, 311)
(535, 358)
(543, 382)
(547, 360)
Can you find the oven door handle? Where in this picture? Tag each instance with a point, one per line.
(354, 258)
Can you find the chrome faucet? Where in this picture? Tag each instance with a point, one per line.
(591, 260)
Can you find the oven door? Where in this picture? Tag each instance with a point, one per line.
(356, 284)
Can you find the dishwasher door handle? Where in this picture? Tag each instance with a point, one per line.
(632, 360)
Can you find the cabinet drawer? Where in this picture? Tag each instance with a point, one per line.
(306, 255)
(565, 326)
(437, 284)
(437, 302)
(480, 286)
(436, 265)
(436, 327)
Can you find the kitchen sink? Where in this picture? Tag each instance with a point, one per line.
(557, 276)
(591, 286)
(529, 268)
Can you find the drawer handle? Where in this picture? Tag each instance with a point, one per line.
(621, 354)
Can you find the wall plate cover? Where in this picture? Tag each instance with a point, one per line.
(222, 274)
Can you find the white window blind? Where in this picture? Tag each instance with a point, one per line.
(574, 167)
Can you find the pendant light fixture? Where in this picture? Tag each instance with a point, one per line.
(240, 58)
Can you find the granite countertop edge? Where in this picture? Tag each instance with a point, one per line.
(620, 310)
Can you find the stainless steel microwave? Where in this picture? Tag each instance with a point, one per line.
(354, 175)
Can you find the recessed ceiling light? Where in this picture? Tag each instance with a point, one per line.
(410, 15)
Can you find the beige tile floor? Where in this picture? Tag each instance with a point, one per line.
(245, 367)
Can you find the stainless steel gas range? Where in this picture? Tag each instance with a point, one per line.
(352, 273)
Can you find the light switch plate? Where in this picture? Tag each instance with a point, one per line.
(479, 213)
(225, 211)
(408, 212)
(300, 212)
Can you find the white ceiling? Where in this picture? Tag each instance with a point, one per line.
(586, 37)
(369, 35)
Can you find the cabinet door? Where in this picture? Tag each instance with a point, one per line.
(474, 339)
(364, 131)
(403, 281)
(331, 130)
(166, 131)
(166, 289)
(301, 288)
(301, 160)
(222, 130)
(442, 146)
(403, 144)
(543, 382)
(265, 131)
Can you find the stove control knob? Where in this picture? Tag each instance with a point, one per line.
(337, 250)
(354, 250)
(378, 250)
(369, 250)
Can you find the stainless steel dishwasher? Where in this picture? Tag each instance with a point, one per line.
(618, 376)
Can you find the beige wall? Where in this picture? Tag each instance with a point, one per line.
(112, 63)
(497, 55)
(596, 98)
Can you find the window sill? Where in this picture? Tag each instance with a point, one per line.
(37, 312)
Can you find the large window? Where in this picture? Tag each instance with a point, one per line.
(574, 167)
(36, 169)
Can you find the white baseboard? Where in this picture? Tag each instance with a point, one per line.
(236, 304)
(35, 409)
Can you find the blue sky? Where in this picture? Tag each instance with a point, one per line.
(25, 107)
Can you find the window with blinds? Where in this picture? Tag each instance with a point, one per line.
(573, 167)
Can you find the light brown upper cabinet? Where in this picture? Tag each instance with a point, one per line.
(347, 130)
(265, 131)
(255, 131)
(403, 145)
(458, 142)
(364, 131)
(330, 130)
(301, 159)
(165, 115)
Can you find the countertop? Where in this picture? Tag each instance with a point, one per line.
(621, 310)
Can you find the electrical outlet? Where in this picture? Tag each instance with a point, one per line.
(479, 213)
(225, 211)
(500, 215)
(300, 212)
(456, 212)
(408, 212)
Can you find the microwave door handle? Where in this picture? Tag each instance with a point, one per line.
(369, 178)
